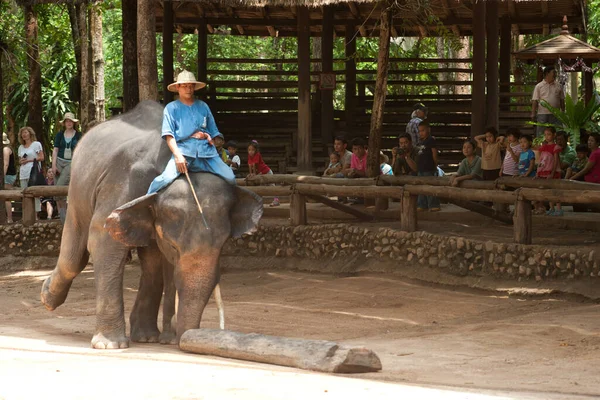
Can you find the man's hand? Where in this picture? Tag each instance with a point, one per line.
(203, 135)
(181, 163)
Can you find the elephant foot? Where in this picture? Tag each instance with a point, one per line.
(168, 337)
(52, 300)
(101, 341)
(145, 335)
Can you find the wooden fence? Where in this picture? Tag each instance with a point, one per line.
(519, 192)
(28, 195)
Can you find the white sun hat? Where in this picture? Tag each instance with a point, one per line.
(185, 77)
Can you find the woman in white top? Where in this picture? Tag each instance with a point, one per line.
(30, 150)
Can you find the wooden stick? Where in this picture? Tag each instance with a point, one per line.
(197, 201)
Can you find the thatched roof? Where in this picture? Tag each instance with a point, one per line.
(278, 17)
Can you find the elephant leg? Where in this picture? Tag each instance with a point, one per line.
(147, 303)
(195, 280)
(109, 261)
(168, 335)
(72, 260)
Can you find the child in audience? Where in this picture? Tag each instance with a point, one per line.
(335, 166)
(579, 163)
(48, 203)
(491, 161)
(470, 167)
(510, 165)
(526, 157)
(386, 169)
(219, 141)
(427, 165)
(233, 160)
(549, 166)
(358, 163)
(591, 171)
(257, 166)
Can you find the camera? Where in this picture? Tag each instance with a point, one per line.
(399, 150)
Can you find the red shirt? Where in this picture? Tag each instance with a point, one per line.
(261, 167)
(594, 175)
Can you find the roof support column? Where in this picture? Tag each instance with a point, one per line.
(478, 88)
(505, 65)
(167, 55)
(327, 125)
(146, 50)
(588, 82)
(492, 63)
(130, 69)
(202, 57)
(349, 103)
(304, 113)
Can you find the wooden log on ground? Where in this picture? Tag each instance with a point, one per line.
(408, 217)
(298, 209)
(292, 179)
(483, 210)
(523, 225)
(558, 195)
(342, 207)
(560, 184)
(11, 195)
(46, 191)
(453, 193)
(371, 192)
(313, 355)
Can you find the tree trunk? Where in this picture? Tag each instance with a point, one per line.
(2, 49)
(35, 76)
(463, 76)
(373, 169)
(75, 87)
(98, 59)
(146, 41)
(85, 84)
(130, 69)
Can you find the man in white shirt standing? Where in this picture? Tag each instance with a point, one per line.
(552, 92)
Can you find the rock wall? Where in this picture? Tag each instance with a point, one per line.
(456, 255)
(40, 239)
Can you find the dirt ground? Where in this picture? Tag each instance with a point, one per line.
(434, 342)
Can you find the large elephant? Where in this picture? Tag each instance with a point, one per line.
(109, 213)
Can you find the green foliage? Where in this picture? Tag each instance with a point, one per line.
(577, 116)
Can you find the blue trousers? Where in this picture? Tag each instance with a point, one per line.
(427, 202)
(214, 165)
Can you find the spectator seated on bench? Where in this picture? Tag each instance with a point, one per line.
(404, 157)
(579, 163)
(591, 171)
(334, 167)
(470, 166)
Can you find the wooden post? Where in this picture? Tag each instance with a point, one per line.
(327, 125)
(505, 47)
(28, 210)
(304, 115)
(588, 83)
(522, 222)
(146, 45)
(408, 217)
(478, 88)
(167, 55)
(298, 209)
(131, 94)
(493, 99)
(349, 103)
(202, 51)
(373, 169)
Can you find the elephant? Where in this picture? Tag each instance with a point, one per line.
(109, 213)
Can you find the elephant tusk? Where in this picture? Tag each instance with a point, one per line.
(219, 301)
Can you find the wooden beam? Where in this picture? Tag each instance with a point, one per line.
(492, 75)
(270, 28)
(462, 194)
(304, 136)
(350, 94)
(167, 53)
(523, 226)
(298, 209)
(231, 13)
(394, 31)
(505, 65)
(545, 27)
(202, 54)
(327, 109)
(408, 214)
(512, 11)
(478, 87)
(342, 207)
(356, 13)
(202, 14)
(483, 210)
(422, 31)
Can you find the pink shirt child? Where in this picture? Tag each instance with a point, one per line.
(359, 164)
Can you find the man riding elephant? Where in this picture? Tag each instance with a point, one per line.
(110, 212)
(188, 127)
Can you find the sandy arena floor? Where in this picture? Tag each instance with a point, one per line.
(434, 342)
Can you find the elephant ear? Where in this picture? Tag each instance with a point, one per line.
(133, 223)
(246, 212)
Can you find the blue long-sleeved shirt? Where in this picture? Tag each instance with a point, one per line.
(182, 121)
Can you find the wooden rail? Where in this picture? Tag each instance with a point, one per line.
(28, 195)
(407, 188)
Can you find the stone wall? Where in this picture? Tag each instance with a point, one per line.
(40, 239)
(456, 255)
